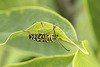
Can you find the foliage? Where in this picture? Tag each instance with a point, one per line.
(17, 50)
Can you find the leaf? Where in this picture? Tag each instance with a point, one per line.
(23, 22)
(85, 60)
(6, 53)
(2, 54)
(53, 61)
(15, 56)
(27, 17)
(49, 4)
(94, 13)
(83, 25)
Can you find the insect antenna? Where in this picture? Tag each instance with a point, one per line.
(63, 46)
(43, 28)
(27, 31)
(54, 28)
(30, 36)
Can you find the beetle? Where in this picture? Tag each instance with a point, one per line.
(45, 37)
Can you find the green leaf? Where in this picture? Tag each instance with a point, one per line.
(22, 18)
(15, 56)
(53, 61)
(94, 13)
(49, 4)
(3, 53)
(83, 25)
(84, 60)
(87, 23)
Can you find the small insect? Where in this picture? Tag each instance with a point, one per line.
(45, 37)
